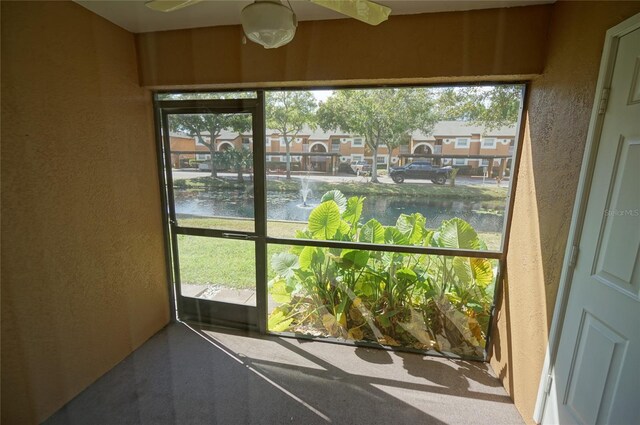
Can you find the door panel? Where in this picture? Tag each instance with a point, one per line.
(213, 194)
(597, 370)
(620, 241)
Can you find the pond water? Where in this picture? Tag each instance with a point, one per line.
(484, 216)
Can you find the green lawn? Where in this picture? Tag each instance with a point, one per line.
(356, 187)
(230, 262)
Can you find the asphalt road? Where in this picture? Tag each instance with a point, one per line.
(345, 178)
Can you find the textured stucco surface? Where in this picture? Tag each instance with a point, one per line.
(494, 42)
(83, 275)
(555, 137)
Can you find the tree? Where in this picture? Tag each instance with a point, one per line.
(206, 128)
(287, 112)
(380, 116)
(400, 138)
(491, 107)
(238, 160)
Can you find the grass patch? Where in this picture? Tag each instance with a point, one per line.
(225, 262)
(231, 263)
(356, 187)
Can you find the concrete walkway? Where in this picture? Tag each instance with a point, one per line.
(222, 294)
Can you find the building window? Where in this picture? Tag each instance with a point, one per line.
(485, 162)
(357, 142)
(382, 159)
(460, 161)
(335, 145)
(462, 143)
(489, 143)
(357, 158)
(203, 156)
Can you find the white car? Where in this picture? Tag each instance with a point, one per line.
(361, 167)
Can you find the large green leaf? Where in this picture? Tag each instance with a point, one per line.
(482, 271)
(278, 321)
(476, 271)
(428, 237)
(354, 209)
(311, 258)
(406, 274)
(324, 220)
(365, 286)
(393, 236)
(372, 232)
(458, 234)
(284, 264)
(344, 232)
(279, 292)
(355, 258)
(412, 226)
(337, 197)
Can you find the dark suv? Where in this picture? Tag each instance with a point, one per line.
(420, 170)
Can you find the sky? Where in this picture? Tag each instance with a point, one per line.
(322, 95)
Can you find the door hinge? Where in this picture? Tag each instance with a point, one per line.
(573, 256)
(547, 385)
(604, 101)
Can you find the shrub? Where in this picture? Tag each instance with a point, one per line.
(414, 300)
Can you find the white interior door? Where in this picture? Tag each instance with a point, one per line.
(596, 376)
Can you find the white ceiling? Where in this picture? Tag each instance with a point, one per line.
(135, 17)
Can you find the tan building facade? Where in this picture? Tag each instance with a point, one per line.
(455, 138)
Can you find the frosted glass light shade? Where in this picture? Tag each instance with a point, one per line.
(268, 23)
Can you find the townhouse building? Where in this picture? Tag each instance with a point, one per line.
(455, 143)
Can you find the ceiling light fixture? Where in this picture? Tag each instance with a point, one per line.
(269, 23)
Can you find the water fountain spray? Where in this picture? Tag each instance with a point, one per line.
(304, 190)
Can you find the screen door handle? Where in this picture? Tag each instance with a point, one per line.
(237, 236)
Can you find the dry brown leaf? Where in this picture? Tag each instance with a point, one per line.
(355, 333)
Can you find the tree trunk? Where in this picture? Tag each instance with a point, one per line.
(287, 145)
(374, 167)
(214, 172)
(389, 162)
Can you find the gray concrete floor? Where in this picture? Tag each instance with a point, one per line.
(194, 376)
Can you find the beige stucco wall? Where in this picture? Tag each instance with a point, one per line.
(426, 47)
(558, 119)
(83, 274)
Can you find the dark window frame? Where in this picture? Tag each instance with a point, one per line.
(500, 255)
